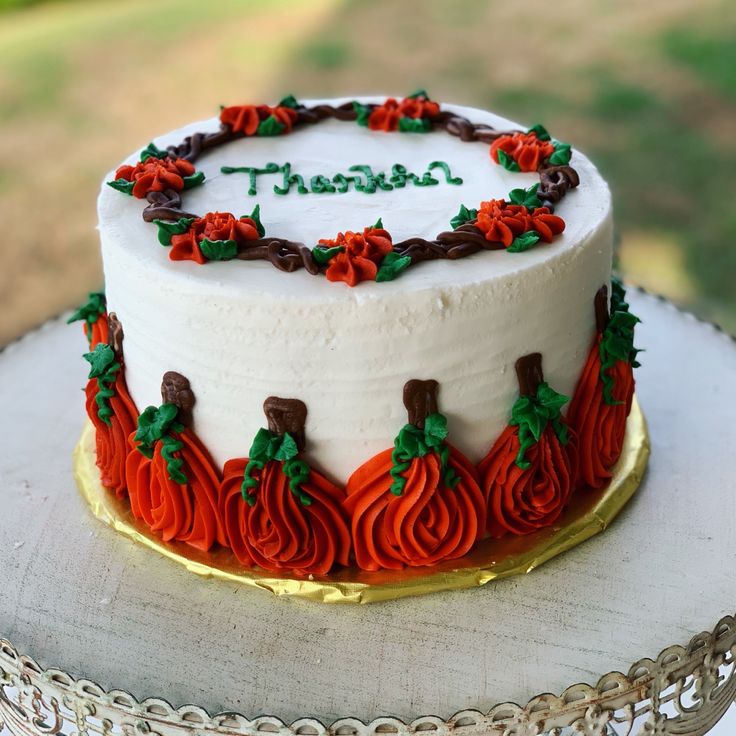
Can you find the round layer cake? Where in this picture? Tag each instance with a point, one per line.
(243, 330)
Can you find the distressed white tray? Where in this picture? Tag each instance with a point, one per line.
(75, 595)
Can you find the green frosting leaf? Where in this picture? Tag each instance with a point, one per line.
(532, 414)
(507, 161)
(418, 93)
(152, 151)
(90, 311)
(463, 215)
(153, 424)
(256, 217)
(103, 367)
(526, 197)
(540, 131)
(618, 295)
(363, 112)
(414, 125)
(561, 155)
(122, 185)
(289, 101)
(219, 250)
(523, 242)
(193, 180)
(270, 126)
(378, 224)
(617, 343)
(322, 256)
(174, 464)
(392, 265)
(412, 442)
(268, 446)
(167, 228)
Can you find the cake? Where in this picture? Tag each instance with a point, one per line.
(356, 333)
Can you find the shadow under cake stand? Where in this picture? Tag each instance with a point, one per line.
(76, 595)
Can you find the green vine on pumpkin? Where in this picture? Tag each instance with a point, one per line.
(532, 414)
(159, 424)
(413, 442)
(268, 446)
(617, 343)
(103, 368)
(90, 311)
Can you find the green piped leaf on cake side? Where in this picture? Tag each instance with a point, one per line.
(167, 228)
(540, 131)
(392, 265)
(323, 256)
(464, 214)
(525, 197)
(218, 250)
(153, 424)
(363, 112)
(507, 161)
(523, 242)
(152, 151)
(122, 185)
(90, 311)
(414, 125)
(561, 155)
(193, 180)
(270, 127)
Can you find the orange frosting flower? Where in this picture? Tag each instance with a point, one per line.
(156, 175)
(213, 226)
(426, 524)
(418, 107)
(545, 223)
(385, 117)
(98, 332)
(600, 426)
(525, 148)
(279, 532)
(182, 512)
(500, 221)
(521, 501)
(246, 118)
(362, 255)
(111, 440)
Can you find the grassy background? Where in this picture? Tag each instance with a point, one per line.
(648, 90)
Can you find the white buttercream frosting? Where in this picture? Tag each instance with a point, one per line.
(242, 331)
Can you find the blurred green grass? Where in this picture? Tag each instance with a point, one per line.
(648, 90)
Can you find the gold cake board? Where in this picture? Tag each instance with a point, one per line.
(588, 514)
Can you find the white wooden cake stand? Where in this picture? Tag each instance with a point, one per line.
(77, 596)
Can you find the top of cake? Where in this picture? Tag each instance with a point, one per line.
(313, 169)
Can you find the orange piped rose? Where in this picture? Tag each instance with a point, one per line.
(215, 226)
(387, 116)
(501, 222)
(246, 119)
(526, 149)
(156, 175)
(362, 254)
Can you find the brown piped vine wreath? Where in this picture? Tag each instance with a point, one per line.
(515, 224)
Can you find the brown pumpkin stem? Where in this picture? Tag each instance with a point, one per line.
(115, 334)
(601, 309)
(286, 415)
(529, 373)
(420, 400)
(175, 389)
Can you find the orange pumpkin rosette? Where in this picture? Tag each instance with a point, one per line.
(110, 407)
(360, 254)
(529, 473)
(418, 504)
(527, 150)
(278, 513)
(602, 400)
(247, 119)
(173, 482)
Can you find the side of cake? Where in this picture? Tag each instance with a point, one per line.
(412, 407)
